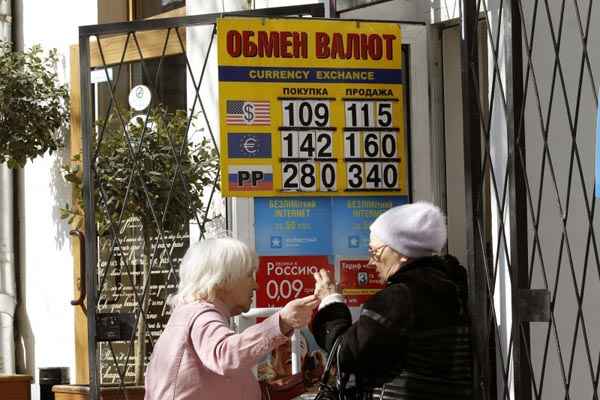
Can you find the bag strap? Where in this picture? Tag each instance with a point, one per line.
(340, 379)
(331, 358)
(327, 390)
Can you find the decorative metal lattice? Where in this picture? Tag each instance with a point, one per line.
(150, 178)
(531, 195)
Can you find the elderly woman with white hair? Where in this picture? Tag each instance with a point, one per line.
(198, 356)
(411, 340)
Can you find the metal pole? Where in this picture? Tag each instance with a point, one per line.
(517, 193)
(478, 298)
(8, 284)
(91, 252)
(295, 344)
(329, 7)
(5, 20)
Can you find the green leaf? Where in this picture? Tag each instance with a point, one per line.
(33, 105)
(155, 165)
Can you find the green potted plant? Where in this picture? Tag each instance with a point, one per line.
(33, 104)
(166, 158)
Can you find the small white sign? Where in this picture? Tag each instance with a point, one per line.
(100, 75)
(140, 97)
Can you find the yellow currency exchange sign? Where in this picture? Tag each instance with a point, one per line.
(311, 107)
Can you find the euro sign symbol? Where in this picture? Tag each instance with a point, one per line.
(248, 112)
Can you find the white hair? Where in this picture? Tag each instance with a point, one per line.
(212, 264)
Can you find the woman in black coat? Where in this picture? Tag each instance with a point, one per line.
(411, 340)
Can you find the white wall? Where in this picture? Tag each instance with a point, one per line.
(455, 177)
(280, 3)
(45, 316)
(395, 10)
(453, 133)
(430, 11)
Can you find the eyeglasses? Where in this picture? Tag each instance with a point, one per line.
(376, 253)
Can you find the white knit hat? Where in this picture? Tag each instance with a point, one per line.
(413, 230)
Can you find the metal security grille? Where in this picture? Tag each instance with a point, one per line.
(150, 181)
(529, 159)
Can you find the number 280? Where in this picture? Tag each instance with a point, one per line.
(302, 176)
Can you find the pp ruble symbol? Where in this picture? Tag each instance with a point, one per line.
(248, 112)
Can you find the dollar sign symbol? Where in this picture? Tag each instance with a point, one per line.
(248, 112)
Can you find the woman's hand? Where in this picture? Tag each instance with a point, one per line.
(324, 284)
(297, 313)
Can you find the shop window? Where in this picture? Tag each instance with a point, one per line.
(150, 8)
(127, 10)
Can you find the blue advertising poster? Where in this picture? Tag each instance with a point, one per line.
(317, 226)
(293, 226)
(351, 218)
(597, 180)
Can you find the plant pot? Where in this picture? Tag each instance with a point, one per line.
(15, 387)
(81, 392)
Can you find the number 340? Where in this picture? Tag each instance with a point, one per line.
(372, 175)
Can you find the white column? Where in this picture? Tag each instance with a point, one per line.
(8, 298)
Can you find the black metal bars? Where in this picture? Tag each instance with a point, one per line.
(472, 163)
(314, 10)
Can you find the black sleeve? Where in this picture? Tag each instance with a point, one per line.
(330, 322)
(377, 340)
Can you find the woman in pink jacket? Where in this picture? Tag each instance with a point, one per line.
(198, 356)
